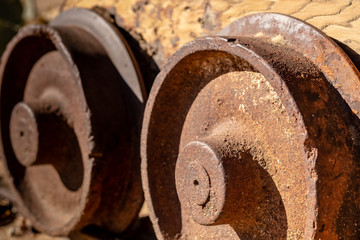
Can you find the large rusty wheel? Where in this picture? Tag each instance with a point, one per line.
(254, 134)
(71, 105)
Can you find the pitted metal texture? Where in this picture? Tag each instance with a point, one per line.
(253, 134)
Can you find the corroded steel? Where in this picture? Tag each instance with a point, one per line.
(254, 134)
(71, 109)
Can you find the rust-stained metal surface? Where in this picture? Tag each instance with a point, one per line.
(71, 104)
(254, 134)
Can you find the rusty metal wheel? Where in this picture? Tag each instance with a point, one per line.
(254, 134)
(71, 105)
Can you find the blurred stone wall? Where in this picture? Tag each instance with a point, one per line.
(10, 20)
(16, 13)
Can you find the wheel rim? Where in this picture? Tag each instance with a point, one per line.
(80, 87)
(196, 101)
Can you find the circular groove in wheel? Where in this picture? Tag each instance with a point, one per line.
(71, 98)
(278, 115)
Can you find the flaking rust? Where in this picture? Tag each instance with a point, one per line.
(71, 108)
(252, 135)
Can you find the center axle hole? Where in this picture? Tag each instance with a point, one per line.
(21, 133)
(196, 182)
